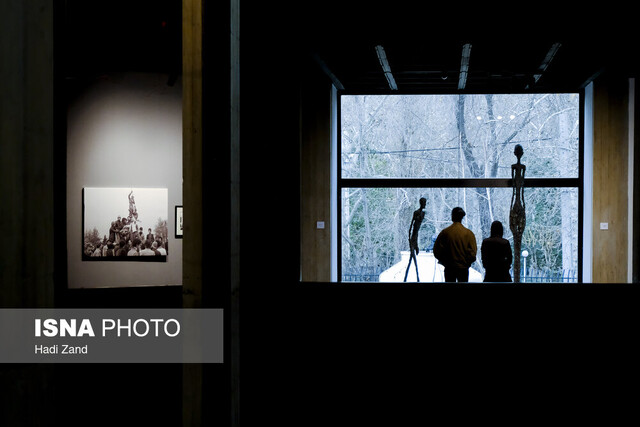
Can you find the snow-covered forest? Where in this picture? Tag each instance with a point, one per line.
(458, 136)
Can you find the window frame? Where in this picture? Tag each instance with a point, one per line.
(342, 183)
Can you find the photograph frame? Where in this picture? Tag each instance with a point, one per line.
(178, 226)
(155, 198)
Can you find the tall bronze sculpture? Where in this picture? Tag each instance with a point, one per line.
(517, 216)
(414, 228)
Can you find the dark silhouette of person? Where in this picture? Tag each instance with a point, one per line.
(113, 231)
(150, 237)
(414, 228)
(118, 227)
(120, 250)
(133, 251)
(110, 247)
(455, 248)
(496, 255)
(154, 248)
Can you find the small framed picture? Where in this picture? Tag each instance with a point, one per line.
(179, 228)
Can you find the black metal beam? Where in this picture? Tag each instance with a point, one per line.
(336, 82)
(453, 182)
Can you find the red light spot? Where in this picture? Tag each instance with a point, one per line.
(164, 24)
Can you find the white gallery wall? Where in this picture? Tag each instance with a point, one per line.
(124, 131)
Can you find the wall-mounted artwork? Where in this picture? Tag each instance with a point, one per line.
(125, 224)
(179, 225)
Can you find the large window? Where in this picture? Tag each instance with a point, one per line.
(457, 150)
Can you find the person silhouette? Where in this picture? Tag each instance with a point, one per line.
(455, 248)
(496, 255)
(414, 229)
(517, 215)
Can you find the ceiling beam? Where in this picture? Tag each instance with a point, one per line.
(328, 72)
(382, 57)
(592, 77)
(464, 66)
(547, 60)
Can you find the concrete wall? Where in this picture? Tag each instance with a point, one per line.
(124, 130)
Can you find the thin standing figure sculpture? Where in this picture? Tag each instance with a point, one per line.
(517, 216)
(414, 228)
(133, 211)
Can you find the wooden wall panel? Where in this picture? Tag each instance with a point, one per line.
(315, 179)
(192, 152)
(610, 180)
(27, 194)
(26, 154)
(192, 193)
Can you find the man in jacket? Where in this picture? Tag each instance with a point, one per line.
(455, 248)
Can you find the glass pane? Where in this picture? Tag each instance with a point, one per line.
(459, 136)
(375, 230)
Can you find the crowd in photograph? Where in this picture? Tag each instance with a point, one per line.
(127, 239)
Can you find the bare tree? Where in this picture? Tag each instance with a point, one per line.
(455, 136)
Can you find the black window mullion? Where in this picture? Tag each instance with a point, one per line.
(452, 182)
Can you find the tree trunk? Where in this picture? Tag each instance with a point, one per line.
(475, 171)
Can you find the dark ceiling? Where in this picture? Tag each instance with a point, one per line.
(508, 45)
(423, 42)
(437, 65)
(119, 35)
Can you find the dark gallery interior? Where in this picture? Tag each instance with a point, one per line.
(240, 110)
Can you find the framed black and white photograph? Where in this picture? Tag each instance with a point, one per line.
(125, 224)
(179, 226)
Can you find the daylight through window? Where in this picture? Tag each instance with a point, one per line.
(457, 150)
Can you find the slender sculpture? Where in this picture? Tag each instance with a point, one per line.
(414, 228)
(517, 216)
(133, 212)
